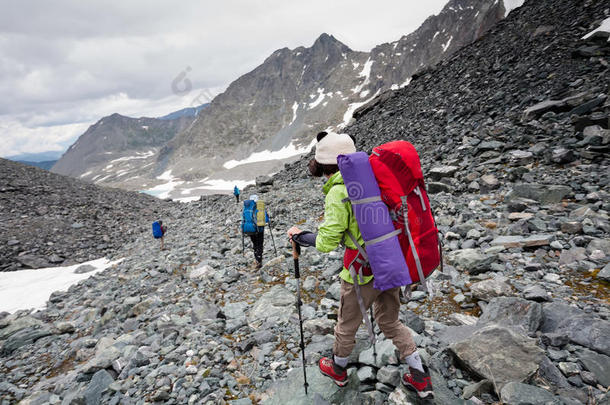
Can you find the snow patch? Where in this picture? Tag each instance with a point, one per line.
(295, 107)
(145, 127)
(85, 174)
(263, 156)
(353, 107)
(163, 191)
(366, 73)
(27, 289)
(605, 27)
(138, 155)
(321, 96)
(510, 5)
(446, 46)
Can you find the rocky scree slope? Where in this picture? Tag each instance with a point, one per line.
(51, 220)
(520, 313)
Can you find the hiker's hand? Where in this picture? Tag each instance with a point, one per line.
(293, 231)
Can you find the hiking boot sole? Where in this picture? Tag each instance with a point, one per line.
(421, 394)
(339, 383)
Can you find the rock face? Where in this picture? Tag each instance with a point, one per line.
(497, 353)
(116, 147)
(513, 312)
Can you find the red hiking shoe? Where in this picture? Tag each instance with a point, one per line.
(419, 382)
(330, 369)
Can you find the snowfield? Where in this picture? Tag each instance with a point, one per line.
(31, 289)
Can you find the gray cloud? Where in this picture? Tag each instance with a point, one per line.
(69, 61)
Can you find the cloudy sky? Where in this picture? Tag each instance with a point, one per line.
(66, 63)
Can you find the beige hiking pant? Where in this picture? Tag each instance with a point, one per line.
(385, 311)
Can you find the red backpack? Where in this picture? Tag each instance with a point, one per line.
(398, 172)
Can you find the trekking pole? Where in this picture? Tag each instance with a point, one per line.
(272, 240)
(373, 325)
(243, 244)
(296, 250)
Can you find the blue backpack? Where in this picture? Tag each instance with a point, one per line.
(249, 218)
(157, 231)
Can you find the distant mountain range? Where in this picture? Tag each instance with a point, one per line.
(185, 112)
(282, 103)
(36, 157)
(47, 165)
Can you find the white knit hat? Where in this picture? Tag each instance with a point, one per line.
(333, 145)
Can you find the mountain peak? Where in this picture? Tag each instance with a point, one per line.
(326, 40)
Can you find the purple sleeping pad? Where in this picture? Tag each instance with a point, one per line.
(385, 257)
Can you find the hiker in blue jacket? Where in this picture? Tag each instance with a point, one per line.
(255, 231)
(236, 194)
(159, 231)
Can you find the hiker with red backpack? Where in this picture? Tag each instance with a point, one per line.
(373, 275)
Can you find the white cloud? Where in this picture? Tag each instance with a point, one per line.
(72, 62)
(17, 139)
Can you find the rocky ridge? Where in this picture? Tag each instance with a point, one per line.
(520, 313)
(116, 149)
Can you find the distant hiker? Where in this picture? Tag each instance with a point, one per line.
(254, 219)
(236, 194)
(339, 221)
(159, 231)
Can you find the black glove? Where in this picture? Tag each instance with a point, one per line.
(305, 239)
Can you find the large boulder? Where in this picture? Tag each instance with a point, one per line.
(518, 241)
(544, 194)
(202, 310)
(440, 172)
(515, 393)
(321, 389)
(494, 287)
(471, 260)
(514, 312)
(500, 354)
(553, 313)
(98, 385)
(596, 363)
(580, 327)
(21, 332)
(277, 303)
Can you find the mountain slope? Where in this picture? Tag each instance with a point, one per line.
(296, 93)
(118, 147)
(46, 218)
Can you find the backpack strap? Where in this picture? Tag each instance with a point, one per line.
(418, 192)
(420, 271)
(367, 321)
(383, 237)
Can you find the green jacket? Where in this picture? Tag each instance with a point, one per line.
(337, 218)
